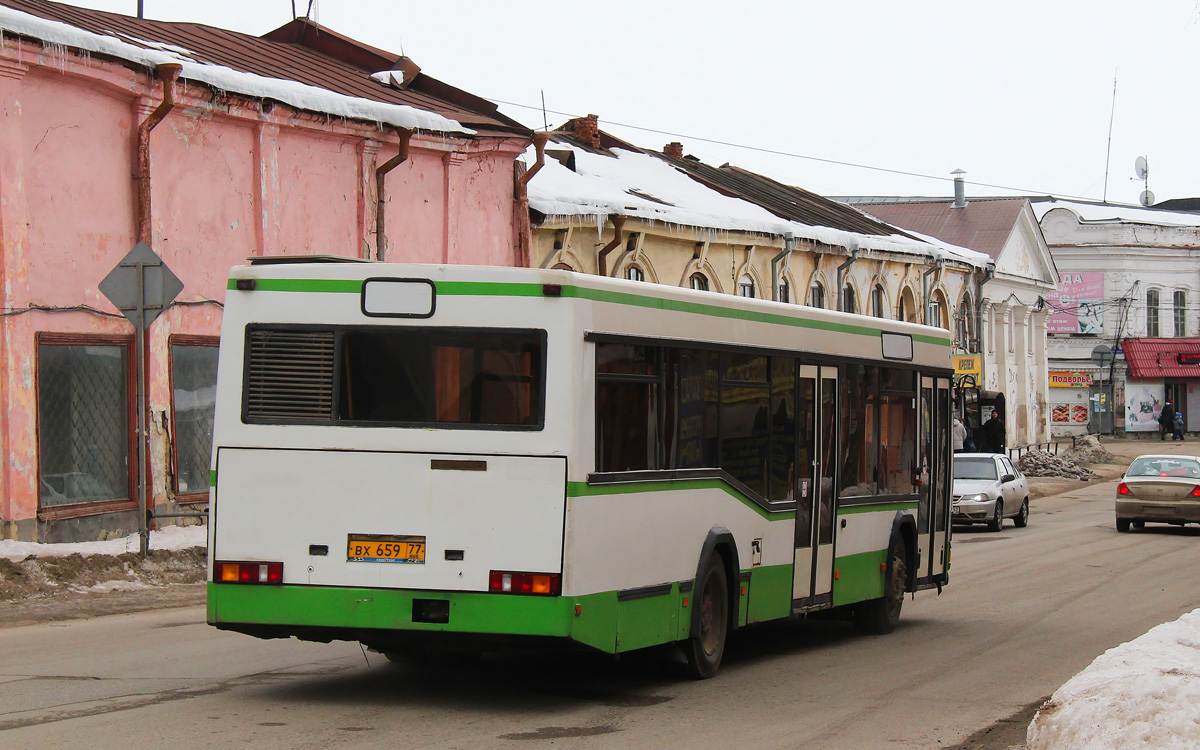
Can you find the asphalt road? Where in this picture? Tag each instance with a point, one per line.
(1026, 609)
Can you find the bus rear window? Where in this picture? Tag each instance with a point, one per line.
(430, 376)
(395, 376)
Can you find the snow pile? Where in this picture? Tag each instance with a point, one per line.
(299, 95)
(1038, 463)
(167, 538)
(1088, 449)
(1141, 694)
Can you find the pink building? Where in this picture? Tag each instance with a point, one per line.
(212, 147)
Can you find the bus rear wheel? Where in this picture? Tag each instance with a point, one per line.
(706, 646)
(880, 616)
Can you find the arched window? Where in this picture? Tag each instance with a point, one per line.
(816, 295)
(964, 319)
(1152, 313)
(908, 306)
(699, 282)
(746, 286)
(937, 311)
(878, 305)
(562, 267)
(848, 302)
(1180, 312)
(633, 273)
(785, 292)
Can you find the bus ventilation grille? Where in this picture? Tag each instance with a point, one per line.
(289, 375)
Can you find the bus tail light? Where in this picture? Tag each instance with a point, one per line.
(504, 582)
(1123, 489)
(248, 572)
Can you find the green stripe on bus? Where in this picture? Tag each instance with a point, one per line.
(583, 489)
(525, 289)
(860, 577)
(335, 286)
(891, 507)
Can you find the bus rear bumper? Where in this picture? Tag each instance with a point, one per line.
(379, 617)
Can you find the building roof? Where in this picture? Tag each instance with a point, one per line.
(983, 224)
(785, 201)
(1154, 359)
(300, 51)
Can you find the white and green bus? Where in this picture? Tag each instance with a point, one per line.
(431, 458)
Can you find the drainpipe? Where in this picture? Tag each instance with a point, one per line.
(841, 279)
(789, 244)
(380, 191)
(981, 278)
(618, 224)
(937, 266)
(168, 73)
(539, 143)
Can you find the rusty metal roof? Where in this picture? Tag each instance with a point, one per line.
(1154, 359)
(983, 225)
(298, 51)
(785, 201)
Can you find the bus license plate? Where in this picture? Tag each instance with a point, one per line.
(388, 548)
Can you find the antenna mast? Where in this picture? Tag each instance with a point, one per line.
(1108, 153)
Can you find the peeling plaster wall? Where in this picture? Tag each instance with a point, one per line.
(231, 178)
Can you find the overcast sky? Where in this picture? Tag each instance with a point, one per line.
(1018, 94)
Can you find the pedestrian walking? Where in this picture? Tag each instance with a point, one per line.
(1178, 426)
(958, 434)
(1166, 420)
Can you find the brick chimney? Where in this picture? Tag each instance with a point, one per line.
(587, 129)
(674, 149)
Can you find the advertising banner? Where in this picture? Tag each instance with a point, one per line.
(1075, 306)
(969, 364)
(1070, 379)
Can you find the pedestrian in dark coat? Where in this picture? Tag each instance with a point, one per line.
(993, 433)
(1166, 421)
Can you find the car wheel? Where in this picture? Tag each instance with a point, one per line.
(997, 522)
(705, 648)
(880, 616)
(1122, 524)
(1021, 520)
(1139, 524)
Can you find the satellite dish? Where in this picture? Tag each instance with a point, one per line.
(1141, 168)
(1146, 198)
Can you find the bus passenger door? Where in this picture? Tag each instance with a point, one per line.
(941, 481)
(816, 415)
(933, 526)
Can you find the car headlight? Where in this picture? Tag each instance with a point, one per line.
(975, 498)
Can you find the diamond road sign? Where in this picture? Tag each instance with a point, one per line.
(141, 286)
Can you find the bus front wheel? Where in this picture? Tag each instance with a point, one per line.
(706, 646)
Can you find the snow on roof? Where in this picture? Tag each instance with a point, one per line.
(294, 93)
(646, 187)
(1138, 694)
(1109, 212)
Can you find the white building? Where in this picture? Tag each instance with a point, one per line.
(1130, 281)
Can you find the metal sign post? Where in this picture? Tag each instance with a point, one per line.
(141, 287)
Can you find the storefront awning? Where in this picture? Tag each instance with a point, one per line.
(1155, 359)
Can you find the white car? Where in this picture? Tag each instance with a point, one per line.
(988, 489)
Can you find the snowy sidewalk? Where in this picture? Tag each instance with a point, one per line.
(1141, 694)
(167, 538)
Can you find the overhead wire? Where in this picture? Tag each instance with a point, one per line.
(776, 152)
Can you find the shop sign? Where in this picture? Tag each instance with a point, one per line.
(968, 364)
(1188, 358)
(1070, 379)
